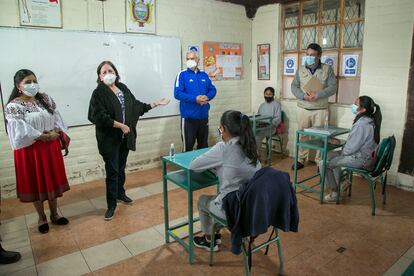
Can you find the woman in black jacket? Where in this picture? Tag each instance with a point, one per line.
(115, 112)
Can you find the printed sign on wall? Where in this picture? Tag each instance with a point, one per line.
(140, 16)
(40, 13)
(349, 65)
(223, 61)
(290, 65)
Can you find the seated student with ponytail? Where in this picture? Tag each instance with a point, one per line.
(235, 161)
(362, 140)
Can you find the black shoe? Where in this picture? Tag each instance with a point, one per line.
(124, 199)
(109, 214)
(59, 221)
(8, 257)
(217, 238)
(298, 166)
(201, 242)
(44, 228)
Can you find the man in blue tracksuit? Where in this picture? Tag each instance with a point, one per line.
(194, 90)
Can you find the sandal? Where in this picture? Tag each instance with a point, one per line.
(59, 221)
(43, 227)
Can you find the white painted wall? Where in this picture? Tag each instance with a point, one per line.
(194, 21)
(385, 67)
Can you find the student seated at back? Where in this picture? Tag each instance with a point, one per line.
(235, 161)
(362, 140)
(270, 107)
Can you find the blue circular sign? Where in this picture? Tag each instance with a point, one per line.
(350, 62)
(329, 61)
(290, 63)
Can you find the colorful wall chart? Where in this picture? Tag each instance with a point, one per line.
(263, 61)
(223, 61)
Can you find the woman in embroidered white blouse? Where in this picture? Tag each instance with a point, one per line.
(33, 126)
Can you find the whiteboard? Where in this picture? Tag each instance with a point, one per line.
(65, 63)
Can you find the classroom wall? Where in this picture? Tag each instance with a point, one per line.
(385, 68)
(193, 21)
(384, 75)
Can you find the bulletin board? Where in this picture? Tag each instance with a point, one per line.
(223, 61)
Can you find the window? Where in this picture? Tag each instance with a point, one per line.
(336, 25)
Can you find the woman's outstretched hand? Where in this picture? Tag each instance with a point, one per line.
(162, 101)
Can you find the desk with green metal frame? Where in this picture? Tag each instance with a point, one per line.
(190, 182)
(317, 141)
(255, 127)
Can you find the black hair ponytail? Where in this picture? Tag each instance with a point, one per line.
(373, 111)
(377, 116)
(238, 124)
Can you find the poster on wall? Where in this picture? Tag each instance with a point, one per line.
(263, 62)
(223, 61)
(349, 65)
(140, 16)
(195, 49)
(290, 65)
(40, 13)
(329, 59)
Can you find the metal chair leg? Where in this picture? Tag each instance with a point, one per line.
(372, 192)
(279, 252)
(281, 145)
(384, 191)
(245, 260)
(210, 260)
(350, 183)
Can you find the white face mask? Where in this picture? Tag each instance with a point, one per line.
(30, 89)
(191, 64)
(109, 79)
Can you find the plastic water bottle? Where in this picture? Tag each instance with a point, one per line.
(172, 151)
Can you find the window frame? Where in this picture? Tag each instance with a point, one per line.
(340, 50)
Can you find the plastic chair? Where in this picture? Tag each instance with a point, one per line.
(384, 156)
(246, 252)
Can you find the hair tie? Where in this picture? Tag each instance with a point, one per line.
(241, 116)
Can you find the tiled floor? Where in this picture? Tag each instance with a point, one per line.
(133, 243)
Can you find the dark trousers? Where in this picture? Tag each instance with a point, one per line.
(115, 173)
(192, 130)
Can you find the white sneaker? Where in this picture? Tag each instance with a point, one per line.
(331, 197)
(345, 186)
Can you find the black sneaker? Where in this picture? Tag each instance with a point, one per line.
(8, 257)
(109, 214)
(201, 242)
(298, 166)
(124, 199)
(217, 238)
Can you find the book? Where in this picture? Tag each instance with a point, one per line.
(313, 85)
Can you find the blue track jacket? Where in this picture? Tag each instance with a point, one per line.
(189, 85)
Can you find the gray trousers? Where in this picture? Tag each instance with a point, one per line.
(334, 165)
(260, 135)
(206, 204)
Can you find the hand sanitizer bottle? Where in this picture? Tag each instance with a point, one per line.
(172, 151)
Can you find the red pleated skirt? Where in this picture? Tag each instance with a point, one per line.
(40, 172)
